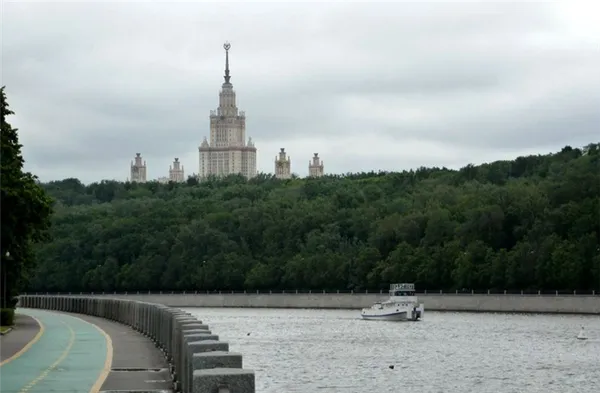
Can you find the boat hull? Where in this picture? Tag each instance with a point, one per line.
(401, 316)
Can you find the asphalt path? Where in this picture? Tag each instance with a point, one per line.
(67, 354)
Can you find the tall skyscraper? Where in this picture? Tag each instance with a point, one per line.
(138, 170)
(228, 152)
(315, 168)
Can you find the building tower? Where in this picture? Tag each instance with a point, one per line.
(176, 172)
(283, 165)
(227, 152)
(138, 170)
(315, 168)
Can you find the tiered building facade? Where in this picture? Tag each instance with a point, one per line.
(228, 152)
(316, 167)
(176, 172)
(137, 171)
(283, 165)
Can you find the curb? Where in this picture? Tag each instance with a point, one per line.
(10, 329)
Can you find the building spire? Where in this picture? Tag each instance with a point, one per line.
(226, 46)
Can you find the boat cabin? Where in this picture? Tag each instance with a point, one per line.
(401, 306)
(402, 290)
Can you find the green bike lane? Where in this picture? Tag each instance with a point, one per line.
(70, 356)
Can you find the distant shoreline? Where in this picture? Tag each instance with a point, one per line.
(524, 304)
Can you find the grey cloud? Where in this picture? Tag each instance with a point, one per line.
(94, 83)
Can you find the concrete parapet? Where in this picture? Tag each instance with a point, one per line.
(223, 379)
(189, 349)
(199, 361)
(509, 303)
(216, 359)
(211, 360)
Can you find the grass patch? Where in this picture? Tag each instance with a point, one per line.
(4, 329)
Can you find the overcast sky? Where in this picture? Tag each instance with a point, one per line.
(372, 86)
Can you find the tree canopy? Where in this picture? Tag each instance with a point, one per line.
(26, 210)
(527, 224)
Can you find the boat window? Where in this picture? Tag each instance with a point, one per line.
(403, 293)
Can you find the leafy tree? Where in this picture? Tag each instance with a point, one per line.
(526, 224)
(26, 211)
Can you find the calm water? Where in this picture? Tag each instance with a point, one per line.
(333, 351)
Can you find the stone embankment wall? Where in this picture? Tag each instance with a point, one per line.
(558, 304)
(199, 361)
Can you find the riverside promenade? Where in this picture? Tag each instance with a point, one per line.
(80, 345)
(65, 354)
(62, 352)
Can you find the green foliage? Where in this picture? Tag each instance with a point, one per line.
(531, 223)
(7, 316)
(25, 211)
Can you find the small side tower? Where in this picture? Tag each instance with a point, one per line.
(176, 172)
(138, 170)
(283, 165)
(315, 168)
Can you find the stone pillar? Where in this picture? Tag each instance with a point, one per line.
(235, 379)
(191, 336)
(180, 324)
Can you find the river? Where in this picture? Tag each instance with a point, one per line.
(334, 351)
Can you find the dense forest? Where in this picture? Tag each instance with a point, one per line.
(528, 224)
(26, 211)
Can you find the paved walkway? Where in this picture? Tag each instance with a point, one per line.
(75, 353)
(137, 364)
(24, 332)
(68, 355)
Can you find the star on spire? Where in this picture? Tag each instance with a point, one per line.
(226, 46)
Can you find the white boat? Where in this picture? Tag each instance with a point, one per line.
(581, 335)
(402, 305)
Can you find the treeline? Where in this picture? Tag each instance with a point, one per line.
(26, 211)
(531, 224)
